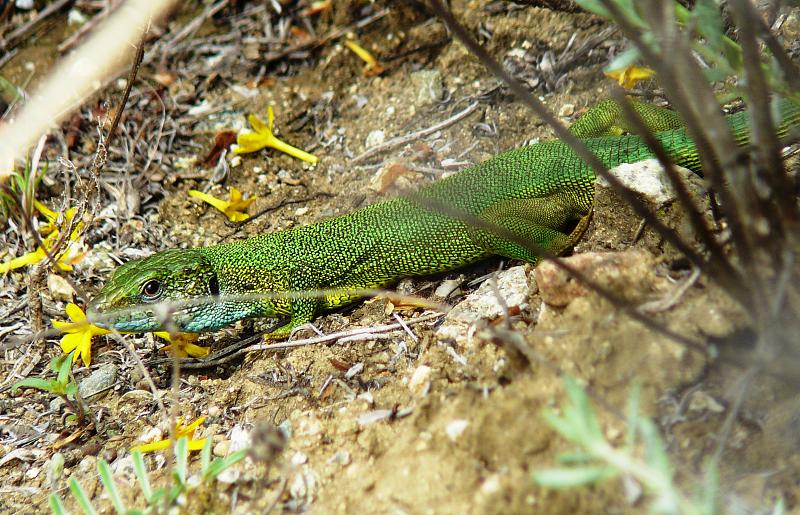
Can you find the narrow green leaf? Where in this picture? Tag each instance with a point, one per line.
(590, 426)
(108, 481)
(34, 382)
(655, 452)
(572, 477)
(632, 413)
(141, 475)
(64, 366)
(575, 457)
(81, 497)
(220, 464)
(56, 505)
(182, 459)
(205, 456)
(71, 389)
(560, 425)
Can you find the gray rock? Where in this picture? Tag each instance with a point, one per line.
(428, 84)
(512, 285)
(647, 178)
(99, 380)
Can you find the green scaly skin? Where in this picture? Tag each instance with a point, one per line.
(542, 192)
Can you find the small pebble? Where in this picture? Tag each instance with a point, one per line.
(420, 383)
(221, 448)
(375, 138)
(566, 110)
(455, 429)
(59, 288)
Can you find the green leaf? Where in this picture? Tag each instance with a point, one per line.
(706, 14)
(205, 456)
(220, 464)
(81, 497)
(574, 457)
(584, 413)
(182, 459)
(141, 474)
(71, 389)
(655, 452)
(572, 477)
(560, 425)
(64, 366)
(35, 382)
(632, 412)
(108, 481)
(56, 505)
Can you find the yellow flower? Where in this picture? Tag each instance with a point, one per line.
(248, 142)
(372, 66)
(180, 431)
(183, 345)
(79, 334)
(52, 218)
(233, 208)
(628, 77)
(73, 255)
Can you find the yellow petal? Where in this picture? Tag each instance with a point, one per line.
(360, 51)
(196, 445)
(70, 342)
(248, 142)
(209, 199)
(149, 447)
(270, 119)
(197, 351)
(63, 326)
(86, 348)
(236, 216)
(24, 260)
(256, 123)
(177, 350)
(190, 429)
(628, 77)
(45, 211)
(75, 313)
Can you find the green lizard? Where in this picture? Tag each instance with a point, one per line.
(542, 192)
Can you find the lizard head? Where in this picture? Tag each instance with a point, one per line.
(172, 287)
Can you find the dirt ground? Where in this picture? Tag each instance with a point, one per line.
(410, 421)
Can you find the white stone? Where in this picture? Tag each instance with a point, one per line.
(455, 429)
(420, 383)
(375, 138)
(647, 178)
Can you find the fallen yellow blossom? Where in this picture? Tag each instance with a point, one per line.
(73, 255)
(263, 137)
(628, 76)
(233, 208)
(79, 334)
(52, 218)
(371, 67)
(180, 431)
(183, 345)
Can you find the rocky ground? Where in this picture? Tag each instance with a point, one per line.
(445, 415)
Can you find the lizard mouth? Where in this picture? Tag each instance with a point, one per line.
(121, 319)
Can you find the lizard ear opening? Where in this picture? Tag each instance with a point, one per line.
(213, 285)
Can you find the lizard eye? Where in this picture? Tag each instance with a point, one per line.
(151, 289)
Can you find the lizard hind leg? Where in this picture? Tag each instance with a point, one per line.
(546, 222)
